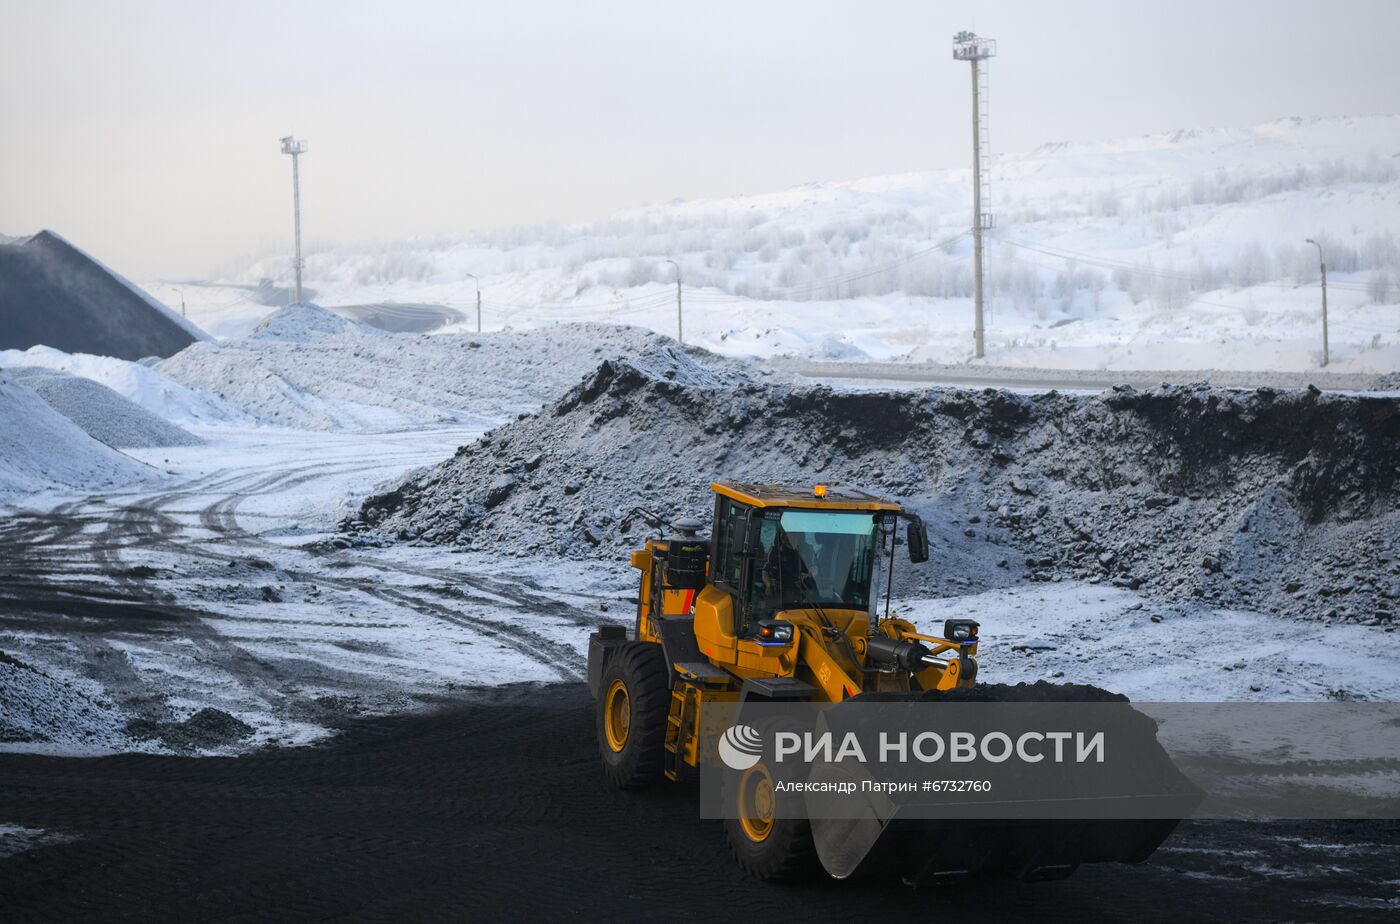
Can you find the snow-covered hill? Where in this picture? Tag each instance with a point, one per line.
(1184, 249)
(308, 369)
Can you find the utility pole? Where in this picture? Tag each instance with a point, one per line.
(473, 278)
(967, 46)
(680, 334)
(292, 146)
(1322, 263)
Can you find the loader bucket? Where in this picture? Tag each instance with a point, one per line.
(899, 834)
(924, 850)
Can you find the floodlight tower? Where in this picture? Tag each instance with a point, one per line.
(477, 279)
(1322, 262)
(680, 331)
(292, 146)
(968, 46)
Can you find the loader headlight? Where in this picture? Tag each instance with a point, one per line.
(960, 630)
(774, 632)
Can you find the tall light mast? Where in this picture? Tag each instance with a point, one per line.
(292, 146)
(968, 46)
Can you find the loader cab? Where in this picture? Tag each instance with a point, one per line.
(779, 550)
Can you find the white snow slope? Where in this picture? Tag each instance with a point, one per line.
(309, 369)
(1183, 250)
(135, 382)
(43, 451)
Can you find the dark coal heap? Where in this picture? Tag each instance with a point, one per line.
(1283, 501)
(52, 293)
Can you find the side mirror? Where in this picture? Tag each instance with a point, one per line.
(916, 537)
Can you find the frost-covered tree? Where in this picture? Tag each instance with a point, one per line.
(1378, 287)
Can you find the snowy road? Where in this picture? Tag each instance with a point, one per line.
(224, 592)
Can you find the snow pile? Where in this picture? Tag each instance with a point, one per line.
(41, 450)
(136, 382)
(101, 412)
(305, 323)
(1284, 501)
(310, 369)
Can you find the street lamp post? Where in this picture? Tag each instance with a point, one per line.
(290, 145)
(1322, 263)
(473, 278)
(680, 334)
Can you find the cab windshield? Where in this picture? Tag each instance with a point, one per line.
(816, 558)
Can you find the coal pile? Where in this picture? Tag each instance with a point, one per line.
(207, 728)
(1281, 501)
(102, 413)
(52, 293)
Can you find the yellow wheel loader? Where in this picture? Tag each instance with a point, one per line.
(778, 605)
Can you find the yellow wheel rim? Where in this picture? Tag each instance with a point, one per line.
(756, 803)
(617, 715)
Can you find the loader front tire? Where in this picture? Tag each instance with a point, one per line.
(766, 846)
(633, 700)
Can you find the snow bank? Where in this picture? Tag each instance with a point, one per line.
(310, 369)
(101, 412)
(136, 382)
(1286, 501)
(304, 323)
(41, 450)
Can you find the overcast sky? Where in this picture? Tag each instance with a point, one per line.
(147, 132)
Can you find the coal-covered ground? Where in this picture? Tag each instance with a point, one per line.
(1276, 500)
(497, 810)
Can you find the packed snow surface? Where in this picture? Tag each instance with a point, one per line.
(310, 369)
(101, 412)
(1183, 249)
(43, 451)
(136, 382)
(19, 838)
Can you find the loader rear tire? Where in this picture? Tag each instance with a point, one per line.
(633, 700)
(767, 847)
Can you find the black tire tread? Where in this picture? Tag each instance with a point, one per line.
(788, 855)
(643, 668)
